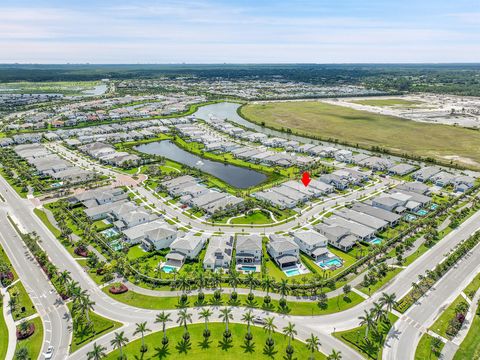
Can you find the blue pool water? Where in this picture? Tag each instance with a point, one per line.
(248, 268)
(110, 232)
(410, 217)
(376, 241)
(116, 245)
(433, 206)
(330, 263)
(422, 212)
(292, 272)
(168, 269)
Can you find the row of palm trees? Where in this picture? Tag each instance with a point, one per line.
(184, 318)
(378, 313)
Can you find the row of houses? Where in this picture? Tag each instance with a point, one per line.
(50, 164)
(442, 178)
(293, 193)
(194, 194)
(107, 154)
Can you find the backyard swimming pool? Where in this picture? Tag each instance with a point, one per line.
(376, 241)
(410, 217)
(422, 212)
(433, 207)
(248, 268)
(292, 272)
(167, 269)
(327, 264)
(109, 233)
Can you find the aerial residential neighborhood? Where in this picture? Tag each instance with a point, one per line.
(223, 179)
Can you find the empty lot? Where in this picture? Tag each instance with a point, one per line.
(327, 121)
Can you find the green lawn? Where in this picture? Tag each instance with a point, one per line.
(381, 282)
(425, 350)
(4, 258)
(41, 214)
(23, 301)
(440, 326)
(388, 102)
(257, 217)
(4, 332)
(326, 121)
(371, 347)
(333, 305)
(472, 288)
(470, 347)
(34, 342)
(215, 348)
(101, 326)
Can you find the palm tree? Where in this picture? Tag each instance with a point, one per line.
(248, 318)
(22, 354)
(63, 278)
(84, 304)
(184, 317)
(388, 300)
(267, 284)
(251, 281)
(233, 279)
(335, 355)
(118, 342)
(226, 316)
(97, 353)
(283, 288)
(290, 332)
(377, 311)
(313, 344)
(206, 314)
(142, 329)
(183, 283)
(163, 318)
(269, 327)
(366, 320)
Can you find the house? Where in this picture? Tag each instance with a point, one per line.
(388, 203)
(248, 249)
(391, 218)
(360, 231)
(219, 252)
(283, 251)
(344, 156)
(425, 173)
(442, 178)
(401, 169)
(187, 247)
(339, 182)
(363, 219)
(311, 243)
(159, 238)
(417, 187)
(338, 236)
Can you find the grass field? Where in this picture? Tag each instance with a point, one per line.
(470, 347)
(335, 304)
(472, 288)
(4, 332)
(215, 348)
(388, 102)
(34, 342)
(425, 350)
(371, 347)
(101, 326)
(257, 217)
(23, 301)
(313, 118)
(41, 214)
(441, 324)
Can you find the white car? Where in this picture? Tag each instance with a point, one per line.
(49, 353)
(259, 320)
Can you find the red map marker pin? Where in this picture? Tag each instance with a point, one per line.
(306, 178)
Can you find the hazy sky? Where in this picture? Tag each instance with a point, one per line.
(319, 31)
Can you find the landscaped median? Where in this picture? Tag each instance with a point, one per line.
(429, 347)
(215, 346)
(306, 308)
(32, 345)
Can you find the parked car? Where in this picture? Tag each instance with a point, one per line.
(259, 320)
(49, 353)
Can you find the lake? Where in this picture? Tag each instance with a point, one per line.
(235, 176)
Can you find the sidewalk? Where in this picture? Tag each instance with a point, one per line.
(12, 329)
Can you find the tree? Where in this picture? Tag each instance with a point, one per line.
(367, 320)
(267, 284)
(141, 328)
(22, 354)
(435, 345)
(251, 282)
(347, 289)
(118, 342)
(377, 311)
(335, 355)
(163, 318)
(313, 344)
(233, 279)
(206, 314)
(269, 327)
(226, 316)
(290, 332)
(388, 300)
(283, 288)
(97, 353)
(248, 318)
(184, 317)
(63, 278)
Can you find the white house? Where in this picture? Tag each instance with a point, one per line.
(219, 252)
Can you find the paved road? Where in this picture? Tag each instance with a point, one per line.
(404, 336)
(54, 313)
(321, 325)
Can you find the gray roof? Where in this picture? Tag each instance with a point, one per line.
(377, 212)
(248, 243)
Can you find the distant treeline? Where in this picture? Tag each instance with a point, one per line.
(462, 79)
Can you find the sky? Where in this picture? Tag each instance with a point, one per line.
(249, 31)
